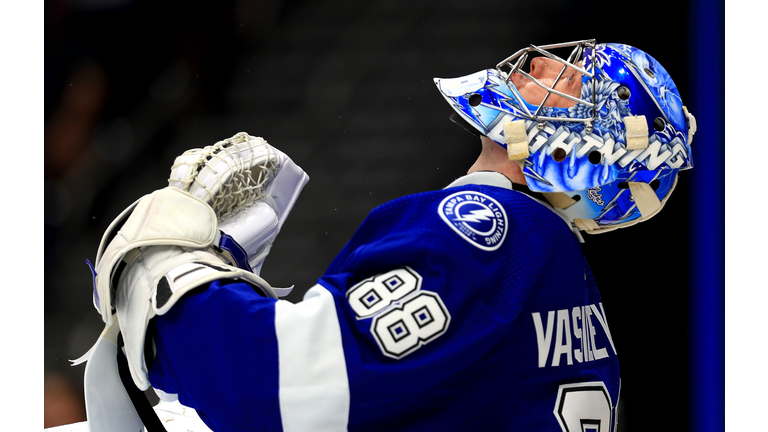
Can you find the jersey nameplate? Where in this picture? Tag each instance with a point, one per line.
(574, 332)
(476, 217)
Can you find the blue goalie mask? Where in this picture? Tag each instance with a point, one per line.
(611, 158)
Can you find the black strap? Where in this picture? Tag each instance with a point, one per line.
(147, 415)
(524, 189)
(464, 125)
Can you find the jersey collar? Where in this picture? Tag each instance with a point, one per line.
(493, 178)
(486, 178)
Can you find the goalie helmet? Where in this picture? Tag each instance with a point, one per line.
(608, 161)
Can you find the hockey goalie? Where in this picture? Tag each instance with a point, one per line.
(466, 308)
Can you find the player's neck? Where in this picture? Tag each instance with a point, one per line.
(493, 157)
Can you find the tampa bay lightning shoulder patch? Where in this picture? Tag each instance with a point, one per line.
(476, 217)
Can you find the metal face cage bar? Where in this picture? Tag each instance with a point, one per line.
(522, 55)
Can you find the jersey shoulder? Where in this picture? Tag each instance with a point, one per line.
(471, 223)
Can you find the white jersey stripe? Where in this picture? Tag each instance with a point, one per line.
(314, 389)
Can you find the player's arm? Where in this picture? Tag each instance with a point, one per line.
(393, 317)
(390, 318)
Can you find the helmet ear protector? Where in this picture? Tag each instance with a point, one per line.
(627, 127)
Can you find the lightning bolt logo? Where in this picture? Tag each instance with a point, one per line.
(529, 172)
(476, 216)
(506, 102)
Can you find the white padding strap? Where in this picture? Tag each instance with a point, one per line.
(645, 198)
(691, 124)
(586, 224)
(559, 200)
(517, 140)
(637, 132)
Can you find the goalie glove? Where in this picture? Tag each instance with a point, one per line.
(156, 251)
(252, 188)
(168, 243)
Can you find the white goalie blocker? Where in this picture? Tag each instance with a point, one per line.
(230, 202)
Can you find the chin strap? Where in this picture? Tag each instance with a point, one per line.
(524, 189)
(455, 118)
(146, 413)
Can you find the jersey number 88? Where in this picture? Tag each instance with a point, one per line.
(405, 317)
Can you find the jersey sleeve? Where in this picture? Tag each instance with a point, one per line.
(399, 317)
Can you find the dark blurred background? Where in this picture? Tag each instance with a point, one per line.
(345, 89)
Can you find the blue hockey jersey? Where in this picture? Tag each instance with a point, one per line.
(468, 308)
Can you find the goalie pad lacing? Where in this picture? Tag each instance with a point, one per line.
(229, 182)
